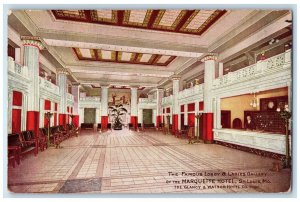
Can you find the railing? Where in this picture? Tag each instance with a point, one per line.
(198, 89)
(48, 86)
(273, 64)
(90, 99)
(147, 100)
(17, 68)
(167, 100)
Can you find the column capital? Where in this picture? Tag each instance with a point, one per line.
(75, 84)
(175, 77)
(210, 56)
(62, 71)
(134, 87)
(104, 86)
(33, 41)
(160, 89)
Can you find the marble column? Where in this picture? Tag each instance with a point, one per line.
(134, 108)
(159, 111)
(209, 75)
(175, 107)
(221, 69)
(32, 47)
(75, 93)
(104, 107)
(63, 90)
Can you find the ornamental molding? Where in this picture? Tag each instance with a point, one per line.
(75, 84)
(62, 71)
(210, 56)
(175, 77)
(33, 41)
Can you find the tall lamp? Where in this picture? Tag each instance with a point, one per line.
(198, 116)
(48, 116)
(286, 115)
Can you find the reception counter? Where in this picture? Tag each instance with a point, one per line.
(260, 141)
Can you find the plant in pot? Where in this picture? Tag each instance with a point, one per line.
(117, 111)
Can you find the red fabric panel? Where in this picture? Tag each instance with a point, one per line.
(209, 125)
(191, 107)
(16, 121)
(201, 106)
(55, 107)
(168, 110)
(33, 118)
(174, 123)
(134, 121)
(204, 126)
(76, 120)
(17, 98)
(182, 108)
(104, 122)
(62, 119)
(158, 121)
(55, 119)
(191, 119)
(47, 105)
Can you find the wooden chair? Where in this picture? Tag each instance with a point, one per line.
(14, 149)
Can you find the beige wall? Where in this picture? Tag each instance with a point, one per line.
(238, 104)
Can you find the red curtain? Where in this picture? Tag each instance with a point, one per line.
(104, 122)
(191, 119)
(201, 106)
(191, 107)
(17, 98)
(168, 110)
(55, 119)
(182, 108)
(47, 105)
(16, 121)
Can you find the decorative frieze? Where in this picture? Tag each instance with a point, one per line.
(210, 56)
(33, 41)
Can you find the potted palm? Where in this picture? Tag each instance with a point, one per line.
(117, 111)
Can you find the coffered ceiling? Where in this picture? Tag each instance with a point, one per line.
(122, 57)
(142, 47)
(179, 21)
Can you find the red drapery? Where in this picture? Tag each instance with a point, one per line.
(201, 106)
(174, 123)
(47, 105)
(104, 122)
(16, 120)
(17, 98)
(168, 110)
(191, 119)
(134, 121)
(182, 108)
(191, 107)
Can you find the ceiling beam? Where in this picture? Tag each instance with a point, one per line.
(133, 47)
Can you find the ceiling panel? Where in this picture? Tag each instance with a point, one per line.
(178, 21)
(122, 57)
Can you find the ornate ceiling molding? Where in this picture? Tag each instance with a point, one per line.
(33, 41)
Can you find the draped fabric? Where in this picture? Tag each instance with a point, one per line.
(175, 123)
(17, 98)
(191, 107)
(76, 120)
(104, 122)
(55, 119)
(191, 119)
(182, 108)
(47, 105)
(62, 119)
(33, 121)
(201, 106)
(134, 121)
(16, 120)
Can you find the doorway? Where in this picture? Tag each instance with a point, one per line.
(147, 116)
(90, 115)
(226, 118)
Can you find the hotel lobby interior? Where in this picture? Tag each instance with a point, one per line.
(149, 101)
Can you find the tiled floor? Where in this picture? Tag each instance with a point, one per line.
(143, 162)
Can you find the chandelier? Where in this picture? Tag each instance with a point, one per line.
(254, 102)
